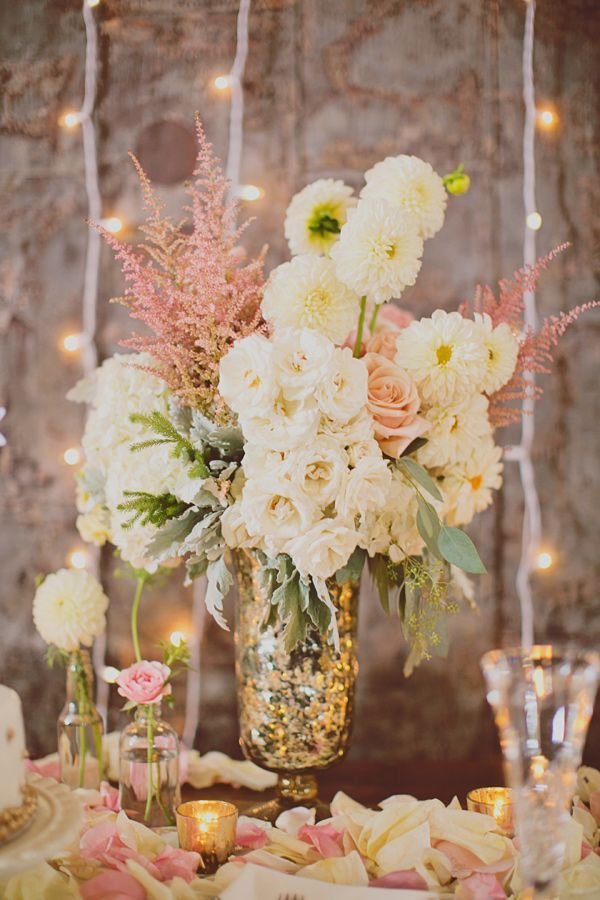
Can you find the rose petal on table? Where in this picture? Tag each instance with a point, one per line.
(582, 815)
(112, 886)
(176, 863)
(463, 862)
(595, 805)
(475, 832)
(405, 851)
(267, 861)
(47, 766)
(399, 816)
(110, 797)
(292, 820)
(403, 879)
(343, 870)
(249, 834)
(480, 887)
(138, 836)
(325, 838)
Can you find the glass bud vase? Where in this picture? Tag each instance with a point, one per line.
(80, 727)
(542, 697)
(149, 790)
(295, 708)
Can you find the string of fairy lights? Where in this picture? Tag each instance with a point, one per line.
(83, 342)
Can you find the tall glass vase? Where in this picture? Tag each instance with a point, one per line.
(295, 708)
(543, 699)
(80, 727)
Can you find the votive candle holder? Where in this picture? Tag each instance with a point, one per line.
(495, 802)
(208, 828)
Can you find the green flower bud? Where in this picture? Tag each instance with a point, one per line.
(457, 182)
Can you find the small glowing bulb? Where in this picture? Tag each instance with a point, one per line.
(177, 638)
(250, 192)
(547, 118)
(109, 674)
(70, 119)
(78, 559)
(112, 224)
(73, 342)
(72, 456)
(93, 2)
(223, 82)
(534, 221)
(544, 560)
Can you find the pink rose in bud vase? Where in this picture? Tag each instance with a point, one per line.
(144, 682)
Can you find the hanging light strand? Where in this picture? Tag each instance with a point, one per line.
(531, 531)
(232, 171)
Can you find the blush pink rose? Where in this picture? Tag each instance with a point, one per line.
(393, 403)
(144, 682)
(383, 342)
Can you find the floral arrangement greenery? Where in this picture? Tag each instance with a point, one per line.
(308, 420)
(69, 611)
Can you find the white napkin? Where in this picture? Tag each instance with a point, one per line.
(256, 883)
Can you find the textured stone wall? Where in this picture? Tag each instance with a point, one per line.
(330, 88)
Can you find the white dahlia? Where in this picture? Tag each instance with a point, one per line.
(411, 184)
(379, 251)
(69, 609)
(468, 485)
(305, 293)
(502, 349)
(455, 430)
(316, 214)
(444, 356)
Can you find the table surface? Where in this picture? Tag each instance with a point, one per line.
(370, 781)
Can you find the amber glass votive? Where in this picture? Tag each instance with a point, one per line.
(208, 827)
(495, 802)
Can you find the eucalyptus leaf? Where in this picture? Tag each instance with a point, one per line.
(418, 473)
(353, 568)
(457, 547)
(428, 525)
(414, 446)
(378, 568)
(219, 581)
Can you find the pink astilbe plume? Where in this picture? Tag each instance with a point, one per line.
(535, 348)
(194, 288)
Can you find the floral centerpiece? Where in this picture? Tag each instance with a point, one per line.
(306, 419)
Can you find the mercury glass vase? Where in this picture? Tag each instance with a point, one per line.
(543, 699)
(295, 708)
(80, 727)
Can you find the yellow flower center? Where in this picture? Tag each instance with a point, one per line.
(444, 354)
(476, 481)
(315, 303)
(491, 354)
(251, 378)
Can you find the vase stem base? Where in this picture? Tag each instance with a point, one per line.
(292, 790)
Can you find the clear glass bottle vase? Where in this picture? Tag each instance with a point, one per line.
(149, 790)
(80, 727)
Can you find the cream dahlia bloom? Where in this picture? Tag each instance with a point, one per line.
(316, 214)
(468, 485)
(411, 184)
(379, 251)
(444, 355)
(69, 609)
(454, 431)
(502, 349)
(305, 293)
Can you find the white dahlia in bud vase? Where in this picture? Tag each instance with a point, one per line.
(288, 433)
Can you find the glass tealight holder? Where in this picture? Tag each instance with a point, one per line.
(495, 802)
(208, 828)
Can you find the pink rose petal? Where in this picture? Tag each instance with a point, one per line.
(110, 797)
(324, 838)
(395, 316)
(250, 835)
(50, 769)
(585, 849)
(480, 887)
(595, 805)
(406, 879)
(112, 886)
(463, 862)
(176, 863)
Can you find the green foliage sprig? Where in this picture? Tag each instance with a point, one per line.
(168, 434)
(151, 509)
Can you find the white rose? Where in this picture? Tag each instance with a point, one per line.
(363, 449)
(260, 461)
(355, 430)
(391, 529)
(276, 509)
(286, 424)
(324, 549)
(319, 470)
(233, 527)
(342, 393)
(246, 378)
(302, 358)
(366, 489)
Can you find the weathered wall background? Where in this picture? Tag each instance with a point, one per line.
(330, 88)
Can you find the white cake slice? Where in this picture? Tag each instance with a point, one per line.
(12, 749)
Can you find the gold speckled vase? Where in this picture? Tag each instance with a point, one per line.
(295, 708)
